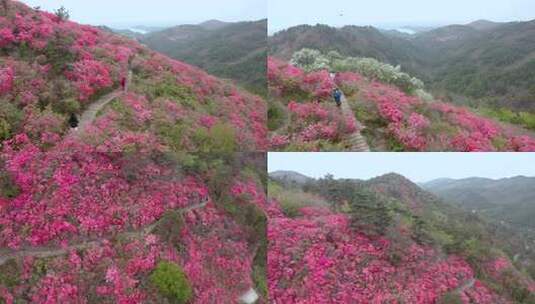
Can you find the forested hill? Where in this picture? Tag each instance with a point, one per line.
(386, 240)
(511, 200)
(480, 60)
(229, 50)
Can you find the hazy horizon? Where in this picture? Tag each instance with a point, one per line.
(389, 15)
(418, 167)
(156, 13)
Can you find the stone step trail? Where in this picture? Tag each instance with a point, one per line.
(356, 140)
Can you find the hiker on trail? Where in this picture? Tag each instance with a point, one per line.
(73, 121)
(337, 94)
(123, 83)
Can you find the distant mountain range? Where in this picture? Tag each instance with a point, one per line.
(229, 50)
(480, 60)
(510, 199)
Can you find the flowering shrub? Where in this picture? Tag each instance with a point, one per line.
(67, 63)
(318, 258)
(6, 80)
(312, 124)
(522, 143)
(348, 82)
(320, 84)
(410, 120)
(139, 106)
(279, 141)
(112, 235)
(92, 199)
(284, 79)
(74, 180)
(310, 60)
(314, 121)
(6, 37)
(208, 121)
(89, 76)
(313, 60)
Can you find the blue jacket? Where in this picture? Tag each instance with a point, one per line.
(337, 95)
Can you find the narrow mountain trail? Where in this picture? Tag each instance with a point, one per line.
(46, 252)
(90, 114)
(357, 141)
(467, 285)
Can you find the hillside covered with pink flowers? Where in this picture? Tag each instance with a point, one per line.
(80, 227)
(392, 117)
(51, 68)
(383, 241)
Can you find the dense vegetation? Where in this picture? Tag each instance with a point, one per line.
(491, 64)
(51, 68)
(99, 214)
(385, 240)
(300, 102)
(395, 112)
(236, 51)
(131, 228)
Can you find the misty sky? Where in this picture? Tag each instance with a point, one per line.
(418, 167)
(123, 13)
(392, 13)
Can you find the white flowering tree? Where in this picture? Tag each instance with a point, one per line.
(310, 60)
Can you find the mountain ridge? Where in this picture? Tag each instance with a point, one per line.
(478, 63)
(234, 50)
(509, 199)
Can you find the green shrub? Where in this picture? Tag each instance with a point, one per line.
(7, 188)
(10, 119)
(59, 54)
(219, 138)
(369, 212)
(10, 274)
(172, 135)
(171, 282)
(517, 289)
(5, 130)
(170, 89)
(525, 119)
(67, 106)
(276, 116)
(169, 226)
(450, 298)
(395, 145)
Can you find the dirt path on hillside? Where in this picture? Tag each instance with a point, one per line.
(469, 284)
(357, 141)
(90, 114)
(46, 252)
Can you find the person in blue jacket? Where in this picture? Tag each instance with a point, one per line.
(337, 94)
